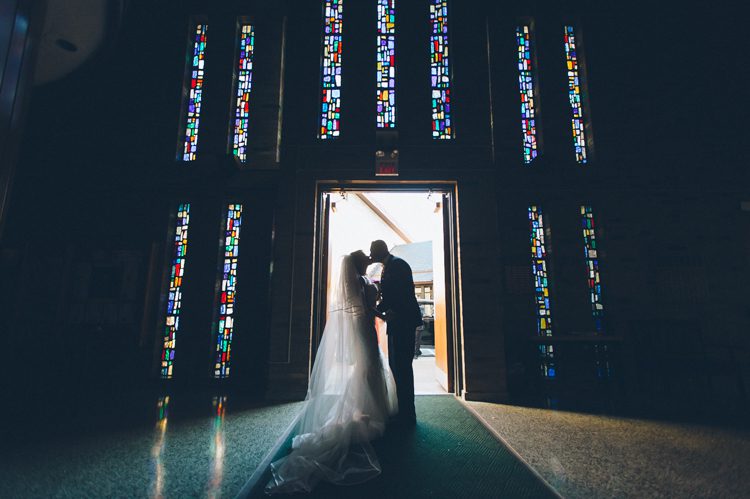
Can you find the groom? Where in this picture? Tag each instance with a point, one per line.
(401, 312)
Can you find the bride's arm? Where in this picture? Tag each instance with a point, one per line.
(377, 313)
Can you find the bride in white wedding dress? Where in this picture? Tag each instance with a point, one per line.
(350, 396)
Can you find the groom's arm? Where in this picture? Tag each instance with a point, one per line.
(396, 290)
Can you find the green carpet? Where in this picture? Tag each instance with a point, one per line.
(449, 454)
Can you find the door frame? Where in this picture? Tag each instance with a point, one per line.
(448, 193)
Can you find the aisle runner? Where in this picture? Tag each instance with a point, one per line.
(449, 454)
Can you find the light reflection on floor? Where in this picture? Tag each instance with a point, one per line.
(217, 448)
(193, 446)
(157, 451)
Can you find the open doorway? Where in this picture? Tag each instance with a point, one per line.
(416, 227)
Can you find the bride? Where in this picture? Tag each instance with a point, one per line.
(350, 396)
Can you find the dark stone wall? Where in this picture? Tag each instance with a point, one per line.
(86, 243)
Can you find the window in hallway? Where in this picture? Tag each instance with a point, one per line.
(440, 71)
(227, 291)
(424, 292)
(539, 266)
(331, 69)
(591, 253)
(174, 297)
(243, 78)
(194, 78)
(527, 87)
(574, 94)
(386, 64)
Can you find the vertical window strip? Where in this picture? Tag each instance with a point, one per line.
(331, 70)
(591, 254)
(195, 97)
(386, 64)
(244, 79)
(541, 288)
(228, 291)
(574, 94)
(528, 93)
(174, 298)
(440, 71)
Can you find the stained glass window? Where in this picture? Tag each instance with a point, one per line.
(574, 94)
(174, 298)
(331, 84)
(528, 93)
(244, 79)
(195, 95)
(591, 254)
(541, 288)
(440, 71)
(386, 64)
(228, 290)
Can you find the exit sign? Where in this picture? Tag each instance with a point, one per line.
(386, 167)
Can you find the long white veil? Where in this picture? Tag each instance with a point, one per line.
(350, 396)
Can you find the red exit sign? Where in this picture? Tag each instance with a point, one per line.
(386, 168)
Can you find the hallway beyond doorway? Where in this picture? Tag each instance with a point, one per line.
(424, 374)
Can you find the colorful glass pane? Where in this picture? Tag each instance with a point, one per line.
(541, 288)
(528, 93)
(227, 291)
(440, 71)
(244, 79)
(174, 297)
(195, 95)
(591, 255)
(574, 94)
(331, 69)
(386, 64)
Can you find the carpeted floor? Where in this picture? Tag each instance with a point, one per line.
(196, 449)
(591, 456)
(449, 454)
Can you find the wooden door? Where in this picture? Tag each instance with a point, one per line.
(323, 279)
(439, 295)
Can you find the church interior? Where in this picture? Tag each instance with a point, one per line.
(178, 180)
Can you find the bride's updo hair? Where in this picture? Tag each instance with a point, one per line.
(360, 260)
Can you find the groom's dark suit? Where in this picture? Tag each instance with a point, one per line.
(403, 317)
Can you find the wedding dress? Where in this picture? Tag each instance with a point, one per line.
(349, 398)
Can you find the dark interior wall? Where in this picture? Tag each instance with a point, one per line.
(666, 184)
(467, 160)
(87, 243)
(85, 211)
(86, 239)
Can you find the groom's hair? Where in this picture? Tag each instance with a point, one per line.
(379, 246)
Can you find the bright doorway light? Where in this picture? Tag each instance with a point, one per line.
(411, 224)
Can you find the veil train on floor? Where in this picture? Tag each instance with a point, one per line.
(350, 396)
